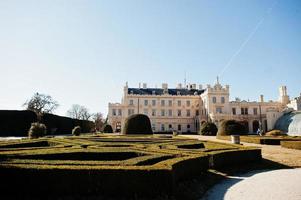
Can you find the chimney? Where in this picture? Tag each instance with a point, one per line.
(144, 86)
(193, 86)
(179, 86)
(164, 86)
(261, 98)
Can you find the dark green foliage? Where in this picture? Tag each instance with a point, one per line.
(64, 125)
(208, 128)
(37, 130)
(220, 160)
(16, 123)
(137, 124)
(108, 129)
(58, 124)
(135, 166)
(76, 131)
(231, 127)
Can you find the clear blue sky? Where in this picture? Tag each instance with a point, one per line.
(83, 52)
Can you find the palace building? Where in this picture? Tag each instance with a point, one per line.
(184, 109)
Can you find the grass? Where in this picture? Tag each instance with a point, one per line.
(135, 166)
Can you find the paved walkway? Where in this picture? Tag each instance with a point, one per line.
(284, 184)
(276, 153)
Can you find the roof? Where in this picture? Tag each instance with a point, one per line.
(156, 91)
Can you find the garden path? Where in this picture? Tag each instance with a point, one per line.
(281, 184)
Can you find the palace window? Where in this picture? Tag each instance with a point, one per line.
(162, 113)
(188, 113)
(162, 127)
(197, 113)
(170, 126)
(154, 127)
(145, 102)
(153, 112)
(179, 103)
(223, 99)
(162, 102)
(169, 113)
(114, 112)
(188, 103)
(153, 102)
(218, 110)
(179, 113)
(214, 99)
(188, 126)
(131, 102)
(234, 111)
(179, 127)
(119, 112)
(255, 111)
(130, 111)
(145, 111)
(244, 111)
(169, 102)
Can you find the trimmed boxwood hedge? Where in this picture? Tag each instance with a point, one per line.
(107, 128)
(231, 127)
(208, 128)
(291, 144)
(134, 166)
(15, 122)
(137, 124)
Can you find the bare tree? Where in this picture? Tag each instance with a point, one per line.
(79, 112)
(41, 103)
(98, 120)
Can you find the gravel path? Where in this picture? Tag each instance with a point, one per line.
(284, 184)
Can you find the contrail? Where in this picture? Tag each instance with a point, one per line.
(268, 12)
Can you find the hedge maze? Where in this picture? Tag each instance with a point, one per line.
(111, 165)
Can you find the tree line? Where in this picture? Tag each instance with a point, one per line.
(43, 103)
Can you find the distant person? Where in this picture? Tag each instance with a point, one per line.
(259, 132)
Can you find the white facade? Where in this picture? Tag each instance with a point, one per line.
(184, 109)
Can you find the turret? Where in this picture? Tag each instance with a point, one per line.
(283, 97)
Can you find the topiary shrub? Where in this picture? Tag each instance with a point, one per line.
(37, 130)
(108, 129)
(76, 131)
(231, 127)
(275, 133)
(208, 128)
(137, 124)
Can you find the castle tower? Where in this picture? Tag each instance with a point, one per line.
(283, 97)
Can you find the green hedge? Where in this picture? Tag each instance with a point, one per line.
(137, 124)
(16, 123)
(291, 144)
(208, 128)
(134, 166)
(231, 127)
(232, 158)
